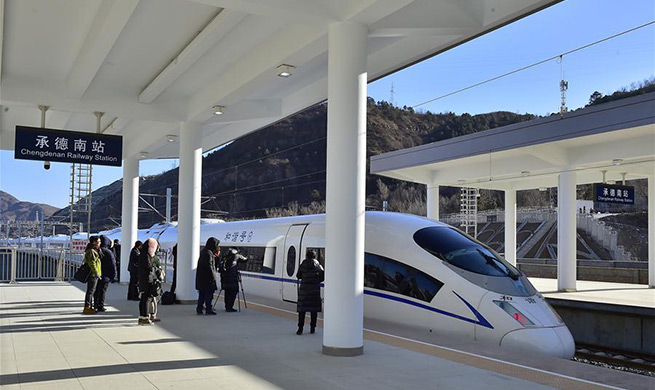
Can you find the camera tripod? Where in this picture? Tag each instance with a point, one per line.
(240, 293)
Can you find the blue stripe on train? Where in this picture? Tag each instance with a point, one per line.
(480, 320)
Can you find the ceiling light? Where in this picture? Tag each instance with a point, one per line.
(218, 110)
(617, 161)
(171, 137)
(285, 70)
(543, 189)
(525, 173)
(143, 154)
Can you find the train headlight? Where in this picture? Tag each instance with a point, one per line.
(514, 313)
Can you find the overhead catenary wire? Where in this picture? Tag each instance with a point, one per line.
(558, 56)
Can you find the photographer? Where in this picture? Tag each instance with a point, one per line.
(230, 277)
(205, 281)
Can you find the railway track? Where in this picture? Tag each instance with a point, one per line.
(616, 359)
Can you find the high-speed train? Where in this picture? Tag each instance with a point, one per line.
(418, 273)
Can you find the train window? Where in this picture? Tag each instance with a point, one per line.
(320, 255)
(385, 274)
(260, 259)
(464, 252)
(291, 261)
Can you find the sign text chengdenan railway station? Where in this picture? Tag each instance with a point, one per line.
(611, 193)
(35, 143)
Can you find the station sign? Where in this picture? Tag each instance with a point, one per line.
(41, 144)
(611, 193)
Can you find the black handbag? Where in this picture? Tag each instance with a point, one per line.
(82, 273)
(168, 298)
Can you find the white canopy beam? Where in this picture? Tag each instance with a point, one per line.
(285, 9)
(25, 93)
(2, 35)
(220, 25)
(258, 63)
(111, 18)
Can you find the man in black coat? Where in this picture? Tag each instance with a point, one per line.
(230, 277)
(310, 275)
(133, 269)
(108, 266)
(205, 279)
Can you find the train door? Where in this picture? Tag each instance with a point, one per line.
(292, 256)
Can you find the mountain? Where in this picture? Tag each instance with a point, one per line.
(280, 170)
(12, 209)
(283, 165)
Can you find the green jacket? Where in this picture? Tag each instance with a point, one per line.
(92, 259)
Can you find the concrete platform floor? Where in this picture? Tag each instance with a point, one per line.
(45, 342)
(601, 292)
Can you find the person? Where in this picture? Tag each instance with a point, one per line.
(310, 275)
(150, 277)
(230, 277)
(174, 254)
(205, 279)
(117, 255)
(92, 259)
(108, 264)
(133, 269)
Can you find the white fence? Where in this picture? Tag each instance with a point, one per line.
(38, 264)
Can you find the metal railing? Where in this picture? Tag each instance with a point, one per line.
(38, 264)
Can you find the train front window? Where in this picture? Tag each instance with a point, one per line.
(389, 275)
(464, 252)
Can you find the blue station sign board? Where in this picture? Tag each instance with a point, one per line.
(35, 143)
(611, 193)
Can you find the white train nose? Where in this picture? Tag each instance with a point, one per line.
(556, 342)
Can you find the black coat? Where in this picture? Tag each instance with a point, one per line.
(229, 270)
(204, 273)
(133, 266)
(310, 275)
(107, 259)
(147, 275)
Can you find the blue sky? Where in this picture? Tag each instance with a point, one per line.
(605, 67)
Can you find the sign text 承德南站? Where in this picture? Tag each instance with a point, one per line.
(34, 143)
(611, 193)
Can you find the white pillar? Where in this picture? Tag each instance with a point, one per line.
(433, 202)
(345, 198)
(188, 206)
(566, 233)
(129, 212)
(651, 232)
(510, 226)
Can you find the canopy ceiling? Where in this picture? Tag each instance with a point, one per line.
(151, 64)
(616, 137)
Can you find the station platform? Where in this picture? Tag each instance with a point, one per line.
(612, 316)
(45, 342)
(623, 294)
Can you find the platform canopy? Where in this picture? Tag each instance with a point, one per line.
(151, 64)
(617, 138)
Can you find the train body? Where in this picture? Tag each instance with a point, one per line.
(418, 273)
